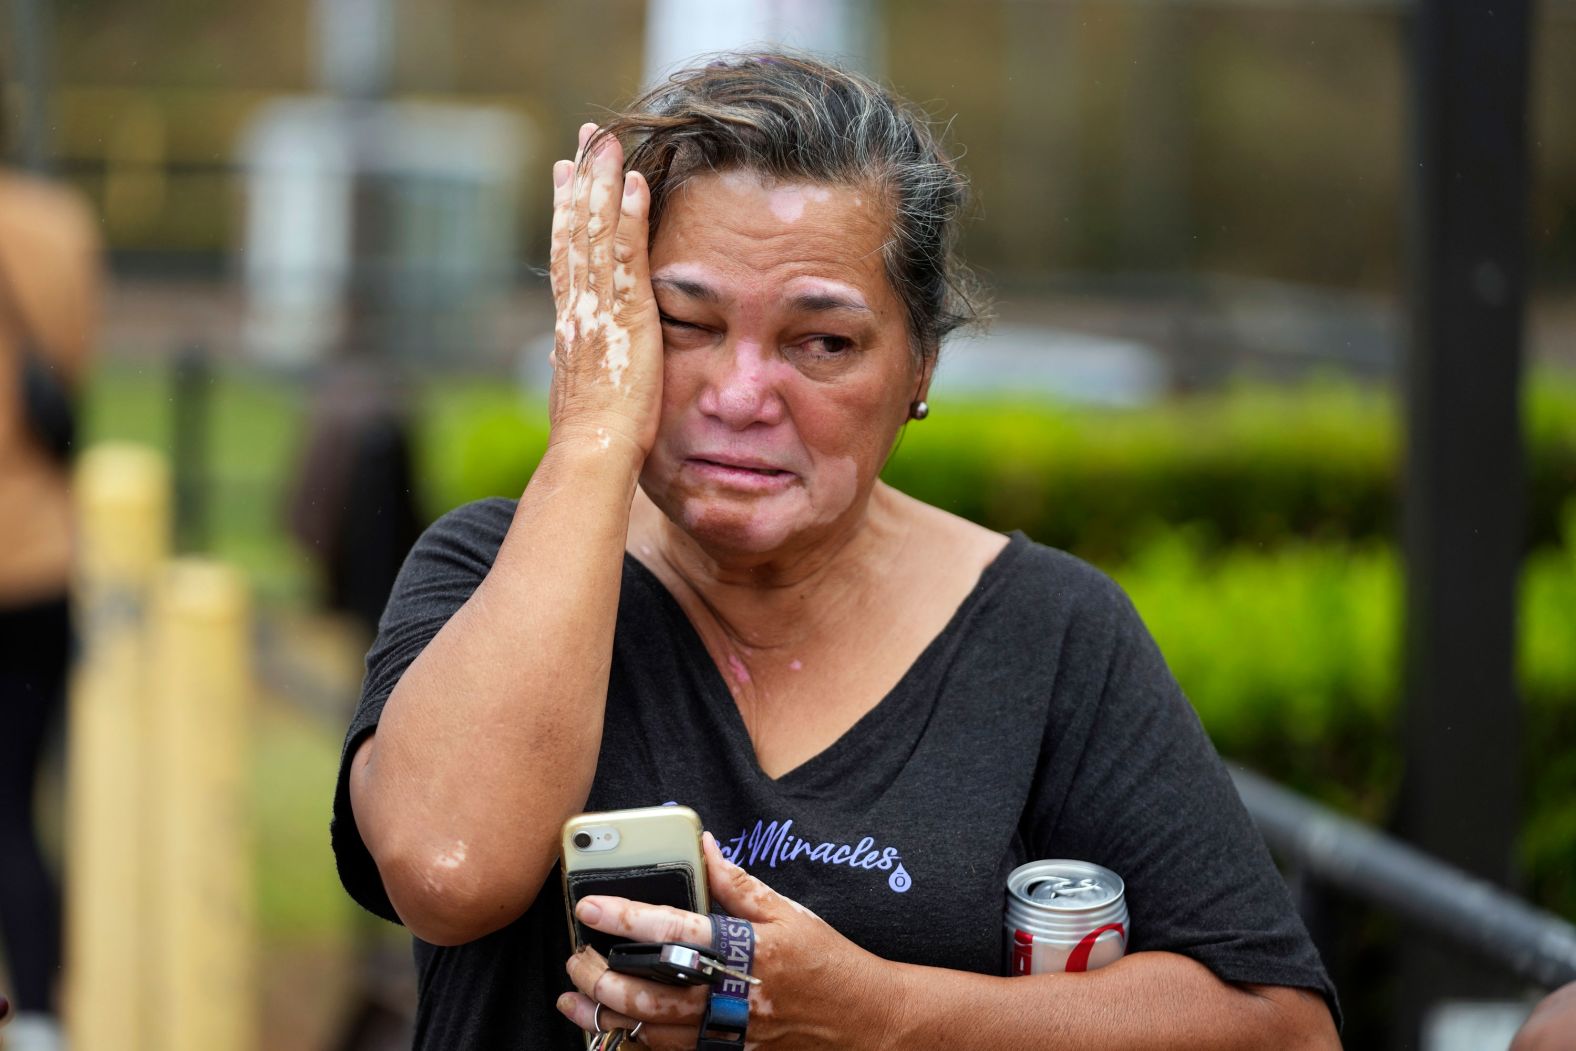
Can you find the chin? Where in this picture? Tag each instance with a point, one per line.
(742, 527)
(732, 523)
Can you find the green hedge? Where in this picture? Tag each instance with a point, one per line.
(1253, 466)
(1292, 658)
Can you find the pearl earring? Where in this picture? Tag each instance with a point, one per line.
(919, 410)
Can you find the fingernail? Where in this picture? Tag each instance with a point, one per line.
(629, 184)
(561, 173)
(565, 1002)
(589, 911)
(585, 133)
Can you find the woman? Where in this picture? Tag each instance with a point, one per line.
(48, 299)
(706, 595)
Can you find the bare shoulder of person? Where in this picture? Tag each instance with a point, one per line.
(49, 248)
(32, 207)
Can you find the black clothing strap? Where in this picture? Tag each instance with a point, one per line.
(47, 402)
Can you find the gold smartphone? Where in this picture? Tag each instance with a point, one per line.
(649, 854)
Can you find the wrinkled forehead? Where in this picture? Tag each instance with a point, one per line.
(748, 229)
(786, 197)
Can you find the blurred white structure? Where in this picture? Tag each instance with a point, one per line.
(678, 30)
(375, 225)
(1462, 1025)
(355, 46)
(402, 212)
(1045, 361)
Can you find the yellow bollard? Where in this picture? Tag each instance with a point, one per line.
(123, 501)
(201, 706)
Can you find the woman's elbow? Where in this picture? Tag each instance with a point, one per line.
(445, 899)
(1299, 1019)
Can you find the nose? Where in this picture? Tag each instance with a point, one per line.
(743, 390)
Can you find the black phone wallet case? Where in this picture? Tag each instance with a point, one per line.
(668, 884)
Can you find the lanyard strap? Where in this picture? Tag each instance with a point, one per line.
(727, 1017)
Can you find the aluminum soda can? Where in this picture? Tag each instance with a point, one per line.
(1064, 916)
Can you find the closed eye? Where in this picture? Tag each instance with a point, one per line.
(829, 346)
(676, 323)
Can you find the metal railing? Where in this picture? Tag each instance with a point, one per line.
(1475, 915)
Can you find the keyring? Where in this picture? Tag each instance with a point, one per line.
(596, 1018)
(634, 1034)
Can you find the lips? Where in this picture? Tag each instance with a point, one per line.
(738, 465)
(733, 472)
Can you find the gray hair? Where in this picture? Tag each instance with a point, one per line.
(792, 117)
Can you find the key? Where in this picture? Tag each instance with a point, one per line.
(676, 963)
(715, 967)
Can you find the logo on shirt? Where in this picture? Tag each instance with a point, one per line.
(774, 843)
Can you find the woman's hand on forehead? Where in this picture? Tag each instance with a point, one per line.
(607, 347)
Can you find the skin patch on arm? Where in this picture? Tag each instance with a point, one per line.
(452, 859)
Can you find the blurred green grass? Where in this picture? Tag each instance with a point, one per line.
(292, 779)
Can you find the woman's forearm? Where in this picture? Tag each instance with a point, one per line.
(490, 738)
(1145, 1001)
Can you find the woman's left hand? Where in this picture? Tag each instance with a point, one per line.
(818, 989)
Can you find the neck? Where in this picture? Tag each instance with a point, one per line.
(780, 601)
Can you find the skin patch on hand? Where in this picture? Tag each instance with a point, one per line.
(586, 317)
(623, 280)
(615, 358)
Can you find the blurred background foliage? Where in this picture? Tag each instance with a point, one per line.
(1279, 155)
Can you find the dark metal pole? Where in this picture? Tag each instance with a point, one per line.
(30, 29)
(193, 389)
(1463, 514)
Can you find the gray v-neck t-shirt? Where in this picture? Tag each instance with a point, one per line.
(1041, 723)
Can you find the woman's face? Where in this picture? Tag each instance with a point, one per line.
(787, 367)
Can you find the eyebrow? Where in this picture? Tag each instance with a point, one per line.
(692, 289)
(817, 302)
(805, 302)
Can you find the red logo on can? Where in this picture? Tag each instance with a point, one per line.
(1078, 959)
(1022, 952)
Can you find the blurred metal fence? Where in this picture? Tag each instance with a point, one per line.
(1475, 916)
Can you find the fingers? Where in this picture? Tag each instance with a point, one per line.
(558, 252)
(598, 207)
(581, 1010)
(639, 922)
(635, 998)
(561, 263)
(738, 892)
(591, 287)
(590, 190)
(631, 267)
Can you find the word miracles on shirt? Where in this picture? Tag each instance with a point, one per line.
(774, 843)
